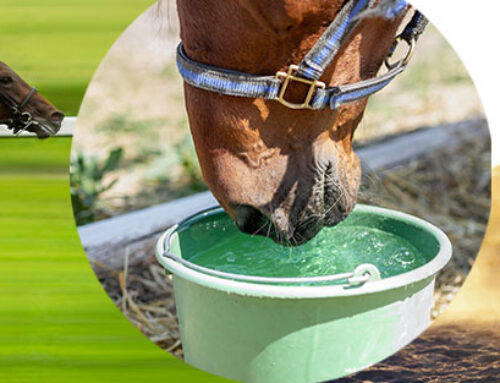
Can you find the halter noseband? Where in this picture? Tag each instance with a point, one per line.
(20, 120)
(312, 66)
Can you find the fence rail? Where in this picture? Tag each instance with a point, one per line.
(67, 129)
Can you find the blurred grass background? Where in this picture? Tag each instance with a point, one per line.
(56, 322)
(57, 44)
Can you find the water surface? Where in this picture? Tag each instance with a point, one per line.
(217, 244)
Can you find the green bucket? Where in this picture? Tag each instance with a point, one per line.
(272, 330)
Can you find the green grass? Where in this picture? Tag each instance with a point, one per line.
(56, 45)
(29, 156)
(56, 322)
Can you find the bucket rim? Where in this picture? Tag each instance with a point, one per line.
(427, 270)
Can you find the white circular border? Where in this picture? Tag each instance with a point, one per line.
(471, 27)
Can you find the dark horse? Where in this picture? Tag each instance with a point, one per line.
(23, 108)
(280, 172)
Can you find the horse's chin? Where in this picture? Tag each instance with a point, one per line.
(44, 129)
(336, 208)
(307, 229)
(260, 224)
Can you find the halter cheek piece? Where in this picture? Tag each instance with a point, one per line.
(20, 120)
(312, 66)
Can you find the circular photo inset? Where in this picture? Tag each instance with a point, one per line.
(282, 191)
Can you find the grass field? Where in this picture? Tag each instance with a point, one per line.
(56, 45)
(56, 322)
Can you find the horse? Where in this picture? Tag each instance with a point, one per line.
(279, 169)
(22, 108)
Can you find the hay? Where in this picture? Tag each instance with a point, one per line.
(146, 298)
(451, 189)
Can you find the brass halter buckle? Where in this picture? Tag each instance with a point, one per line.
(288, 76)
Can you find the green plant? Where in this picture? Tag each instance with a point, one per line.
(176, 172)
(87, 184)
(189, 163)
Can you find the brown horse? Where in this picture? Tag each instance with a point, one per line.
(278, 172)
(22, 108)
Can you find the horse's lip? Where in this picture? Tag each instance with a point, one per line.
(262, 225)
(44, 129)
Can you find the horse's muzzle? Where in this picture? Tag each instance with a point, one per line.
(293, 228)
(252, 221)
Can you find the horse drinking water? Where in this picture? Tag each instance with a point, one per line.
(23, 108)
(274, 92)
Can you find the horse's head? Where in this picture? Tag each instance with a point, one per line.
(278, 172)
(37, 114)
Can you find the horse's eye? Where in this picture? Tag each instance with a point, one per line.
(5, 80)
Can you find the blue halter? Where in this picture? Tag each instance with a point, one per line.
(312, 66)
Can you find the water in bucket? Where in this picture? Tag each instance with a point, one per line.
(334, 250)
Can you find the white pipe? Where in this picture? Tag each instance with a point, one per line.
(67, 129)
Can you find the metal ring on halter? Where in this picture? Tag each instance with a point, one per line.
(363, 273)
(405, 60)
(20, 121)
(26, 117)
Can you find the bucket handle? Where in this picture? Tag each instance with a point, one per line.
(363, 273)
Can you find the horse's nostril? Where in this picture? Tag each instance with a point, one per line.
(57, 117)
(250, 220)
